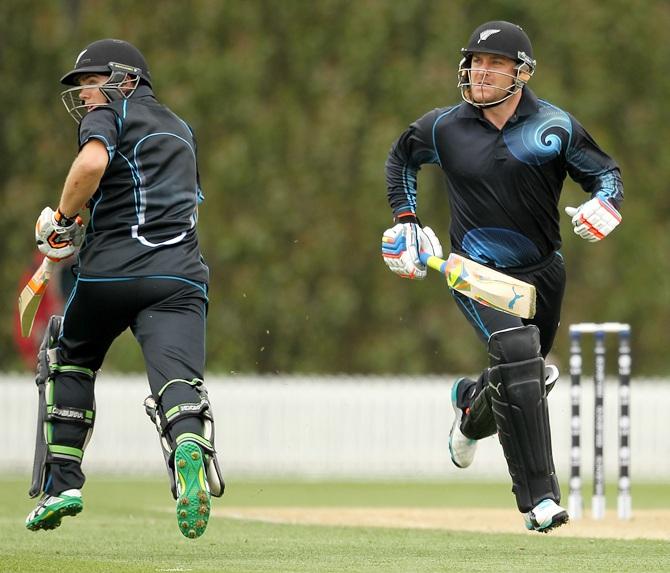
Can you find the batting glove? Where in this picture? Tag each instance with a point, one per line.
(56, 236)
(401, 246)
(595, 219)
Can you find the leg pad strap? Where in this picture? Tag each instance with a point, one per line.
(165, 421)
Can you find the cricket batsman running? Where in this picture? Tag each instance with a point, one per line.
(139, 267)
(505, 154)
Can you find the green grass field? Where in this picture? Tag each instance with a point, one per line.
(129, 526)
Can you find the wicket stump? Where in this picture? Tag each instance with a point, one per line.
(575, 501)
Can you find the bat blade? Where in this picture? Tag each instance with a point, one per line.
(31, 296)
(485, 285)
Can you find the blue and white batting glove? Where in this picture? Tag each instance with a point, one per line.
(595, 219)
(56, 236)
(401, 246)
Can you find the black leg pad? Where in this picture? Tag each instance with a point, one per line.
(49, 341)
(519, 404)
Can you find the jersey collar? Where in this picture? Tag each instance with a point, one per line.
(143, 91)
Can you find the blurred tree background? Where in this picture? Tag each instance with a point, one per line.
(295, 105)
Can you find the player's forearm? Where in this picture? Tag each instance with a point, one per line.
(84, 178)
(407, 155)
(610, 187)
(79, 187)
(400, 183)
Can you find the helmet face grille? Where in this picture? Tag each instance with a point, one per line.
(522, 73)
(115, 88)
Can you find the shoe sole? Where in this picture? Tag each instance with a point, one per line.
(549, 386)
(51, 518)
(193, 505)
(454, 394)
(556, 521)
(458, 413)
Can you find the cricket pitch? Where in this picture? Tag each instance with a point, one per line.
(645, 524)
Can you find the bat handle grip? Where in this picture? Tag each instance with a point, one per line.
(48, 265)
(433, 262)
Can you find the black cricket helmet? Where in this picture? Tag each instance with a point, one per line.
(121, 61)
(505, 39)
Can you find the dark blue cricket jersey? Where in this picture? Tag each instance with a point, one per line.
(143, 215)
(503, 185)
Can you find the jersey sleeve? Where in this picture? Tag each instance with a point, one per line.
(100, 124)
(588, 165)
(414, 148)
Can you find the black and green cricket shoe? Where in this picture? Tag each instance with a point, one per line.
(193, 498)
(52, 508)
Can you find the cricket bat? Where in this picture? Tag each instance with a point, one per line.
(31, 295)
(485, 285)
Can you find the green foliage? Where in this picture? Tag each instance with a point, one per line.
(295, 105)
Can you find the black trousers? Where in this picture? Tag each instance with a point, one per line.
(167, 317)
(548, 278)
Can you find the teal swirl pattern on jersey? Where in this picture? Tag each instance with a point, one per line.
(503, 247)
(541, 137)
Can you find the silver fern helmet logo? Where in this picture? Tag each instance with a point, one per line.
(483, 36)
